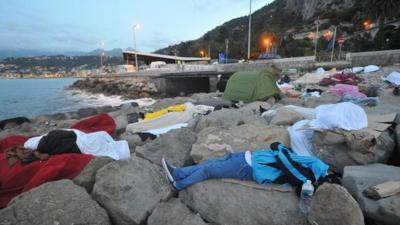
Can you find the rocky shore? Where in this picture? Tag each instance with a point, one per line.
(136, 191)
(131, 88)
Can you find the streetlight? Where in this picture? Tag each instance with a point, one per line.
(202, 53)
(367, 24)
(249, 38)
(267, 43)
(135, 28)
(101, 54)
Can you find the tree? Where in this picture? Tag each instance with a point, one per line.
(381, 9)
(223, 33)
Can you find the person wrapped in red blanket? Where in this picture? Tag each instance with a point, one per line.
(341, 78)
(21, 177)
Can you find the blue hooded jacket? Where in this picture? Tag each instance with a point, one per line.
(265, 174)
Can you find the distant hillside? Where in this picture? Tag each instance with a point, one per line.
(66, 62)
(282, 19)
(32, 53)
(117, 52)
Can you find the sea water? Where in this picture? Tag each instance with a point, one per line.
(34, 97)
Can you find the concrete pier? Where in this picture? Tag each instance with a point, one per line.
(206, 78)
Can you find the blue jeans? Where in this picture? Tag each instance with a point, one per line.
(232, 165)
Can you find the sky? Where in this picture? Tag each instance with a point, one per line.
(83, 25)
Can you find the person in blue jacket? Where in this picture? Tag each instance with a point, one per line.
(276, 165)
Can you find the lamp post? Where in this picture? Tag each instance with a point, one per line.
(316, 39)
(135, 28)
(249, 38)
(101, 55)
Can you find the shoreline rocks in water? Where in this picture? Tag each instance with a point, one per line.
(131, 88)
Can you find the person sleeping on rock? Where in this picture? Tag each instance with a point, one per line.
(279, 164)
(74, 141)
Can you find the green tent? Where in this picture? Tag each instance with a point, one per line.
(251, 86)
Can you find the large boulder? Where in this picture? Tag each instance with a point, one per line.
(86, 112)
(233, 202)
(200, 97)
(282, 116)
(342, 148)
(214, 141)
(174, 212)
(130, 189)
(223, 118)
(87, 177)
(255, 107)
(133, 140)
(175, 146)
(333, 205)
(166, 102)
(358, 178)
(326, 98)
(59, 202)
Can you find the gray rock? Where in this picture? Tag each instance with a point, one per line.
(133, 140)
(333, 205)
(358, 178)
(223, 118)
(174, 212)
(226, 202)
(213, 102)
(86, 112)
(59, 116)
(286, 117)
(397, 132)
(106, 109)
(215, 141)
(175, 146)
(326, 98)
(340, 148)
(128, 106)
(66, 123)
(59, 202)
(291, 101)
(255, 107)
(10, 125)
(86, 178)
(130, 189)
(121, 121)
(199, 97)
(166, 102)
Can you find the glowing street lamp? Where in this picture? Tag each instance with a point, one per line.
(202, 53)
(367, 25)
(135, 28)
(101, 53)
(267, 43)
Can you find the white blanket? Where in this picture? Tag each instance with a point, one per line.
(393, 77)
(346, 115)
(96, 143)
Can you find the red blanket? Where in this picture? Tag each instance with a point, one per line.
(23, 177)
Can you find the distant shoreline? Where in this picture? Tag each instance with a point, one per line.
(24, 78)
